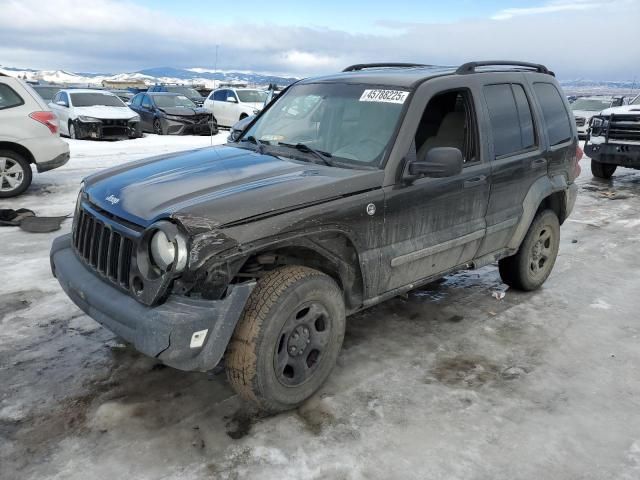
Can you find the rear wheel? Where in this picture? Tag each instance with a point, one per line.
(602, 170)
(15, 174)
(529, 268)
(288, 338)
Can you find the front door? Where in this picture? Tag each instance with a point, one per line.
(435, 224)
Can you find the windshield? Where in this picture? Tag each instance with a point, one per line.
(163, 101)
(91, 99)
(252, 96)
(189, 92)
(590, 104)
(352, 123)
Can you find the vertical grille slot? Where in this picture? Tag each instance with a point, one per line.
(103, 249)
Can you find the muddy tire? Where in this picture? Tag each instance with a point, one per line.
(602, 170)
(288, 338)
(529, 268)
(15, 174)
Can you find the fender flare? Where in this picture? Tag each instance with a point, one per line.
(541, 189)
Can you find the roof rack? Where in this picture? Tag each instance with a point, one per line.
(362, 66)
(470, 67)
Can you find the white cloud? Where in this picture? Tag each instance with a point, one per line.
(551, 7)
(114, 35)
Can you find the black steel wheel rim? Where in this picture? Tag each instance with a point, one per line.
(302, 344)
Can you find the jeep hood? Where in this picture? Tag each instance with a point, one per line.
(219, 185)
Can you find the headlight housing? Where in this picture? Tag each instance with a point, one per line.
(163, 249)
(84, 119)
(135, 119)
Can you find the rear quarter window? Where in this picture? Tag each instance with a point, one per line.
(9, 98)
(556, 117)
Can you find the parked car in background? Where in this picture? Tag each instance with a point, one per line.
(586, 107)
(191, 93)
(238, 127)
(614, 139)
(124, 95)
(344, 193)
(46, 92)
(229, 105)
(95, 114)
(29, 135)
(173, 114)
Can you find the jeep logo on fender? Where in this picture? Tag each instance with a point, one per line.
(112, 199)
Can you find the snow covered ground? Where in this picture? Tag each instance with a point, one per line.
(446, 383)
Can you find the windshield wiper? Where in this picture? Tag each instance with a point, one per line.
(302, 147)
(258, 143)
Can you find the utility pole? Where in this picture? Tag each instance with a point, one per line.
(215, 68)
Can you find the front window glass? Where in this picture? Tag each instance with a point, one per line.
(163, 101)
(354, 124)
(92, 99)
(252, 96)
(590, 104)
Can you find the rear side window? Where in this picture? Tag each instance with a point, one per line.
(8, 97)
(554, 112)
(511, 120)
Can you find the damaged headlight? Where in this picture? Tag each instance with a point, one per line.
(599, 122)
(84, 119)
(134, 119)
(167, 248)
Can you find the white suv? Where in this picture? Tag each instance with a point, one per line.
(29, 134)
(230, 105)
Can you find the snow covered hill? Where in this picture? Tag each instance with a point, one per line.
(196, 75)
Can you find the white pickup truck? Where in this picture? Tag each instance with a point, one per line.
(614, 139)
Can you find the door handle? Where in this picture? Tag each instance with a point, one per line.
(539, 163)
(475, 181)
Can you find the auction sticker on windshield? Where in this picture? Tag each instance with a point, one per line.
(384, 96)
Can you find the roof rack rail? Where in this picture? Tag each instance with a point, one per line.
(470, 67)
(362, 66)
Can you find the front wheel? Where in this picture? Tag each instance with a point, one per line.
(157, 127)
(72, 131)
(288, 338)
(529, 268)
(602, 170)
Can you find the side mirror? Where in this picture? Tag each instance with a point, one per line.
(61, 103)
(232, 99)
(440, 162)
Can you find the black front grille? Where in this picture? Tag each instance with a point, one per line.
(103, 249)
(624, 127)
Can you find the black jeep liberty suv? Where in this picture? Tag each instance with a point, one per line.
(346, 190)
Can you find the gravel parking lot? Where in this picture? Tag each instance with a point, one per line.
(449, 382)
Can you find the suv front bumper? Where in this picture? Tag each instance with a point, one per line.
(165, 331)
(623, 154)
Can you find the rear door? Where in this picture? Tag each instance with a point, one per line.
(559, 130)
(517, 154)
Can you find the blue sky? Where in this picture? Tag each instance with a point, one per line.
(303, 38)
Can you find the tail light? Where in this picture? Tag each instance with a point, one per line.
(48, 119)
(579, 155)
